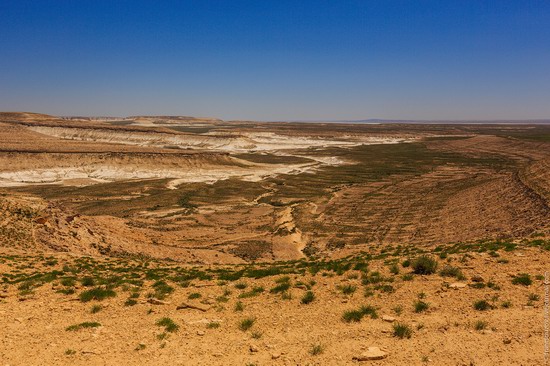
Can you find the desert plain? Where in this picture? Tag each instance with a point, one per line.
(197, 241)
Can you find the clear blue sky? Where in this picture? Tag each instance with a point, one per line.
(277, 60)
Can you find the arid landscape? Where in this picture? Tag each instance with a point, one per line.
(199, 241)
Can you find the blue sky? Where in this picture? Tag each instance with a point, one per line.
(277, 60)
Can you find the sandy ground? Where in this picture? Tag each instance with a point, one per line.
(285, 330)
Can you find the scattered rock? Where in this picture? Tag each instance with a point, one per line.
(90, 352)
(275, 356)
(187, 305)
(372, 354)
(506, 341)
(457, 285)
(388, 318)
(157, 302)
(477, 278)
(200, 332)
(253, 348)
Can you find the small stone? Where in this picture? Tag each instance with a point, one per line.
(372, 354)
(387, 318)
(200, 333)
(275, 356)
(157, 302)
(477, 278)
(506, 341)
(253, 348)
(457, 285)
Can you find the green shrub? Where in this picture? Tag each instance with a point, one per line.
(239, 306)
(402, 331)
(352, 316)
(424, 265)
(254, 292)
(316, 349)
(87, 281)
(213, 325)
(246, 324)
(450, 271)
(480, 325)
(82, 326)
(308, 297)
(282, 287)
(97, 293)
(130, 302)
(96, 309)
(356, 315)
(420, 306)
(168, 324)
(348, 289)
(522, 279)
(69, 282)
(482, 305)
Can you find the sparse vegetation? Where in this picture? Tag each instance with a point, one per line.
(96, 309)
(420, 306)
(246, 324)
(308, 297)
(347, 289)
(281, 287)
(239, 306)
(168, 324)
(424, 265)
(97, 293)
(213, 325)
(316, 349)
(402, 331)
(83, 325)
(482, 305)
(356, 315)
(254, 292)
(450, 271)
(523, 279)
(480, 325)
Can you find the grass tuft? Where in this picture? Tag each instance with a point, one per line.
(76, 327)
(168, 324)
(246, 324)
(97, 293)
(402, 331)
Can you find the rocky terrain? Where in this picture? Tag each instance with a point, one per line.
(156, 239)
